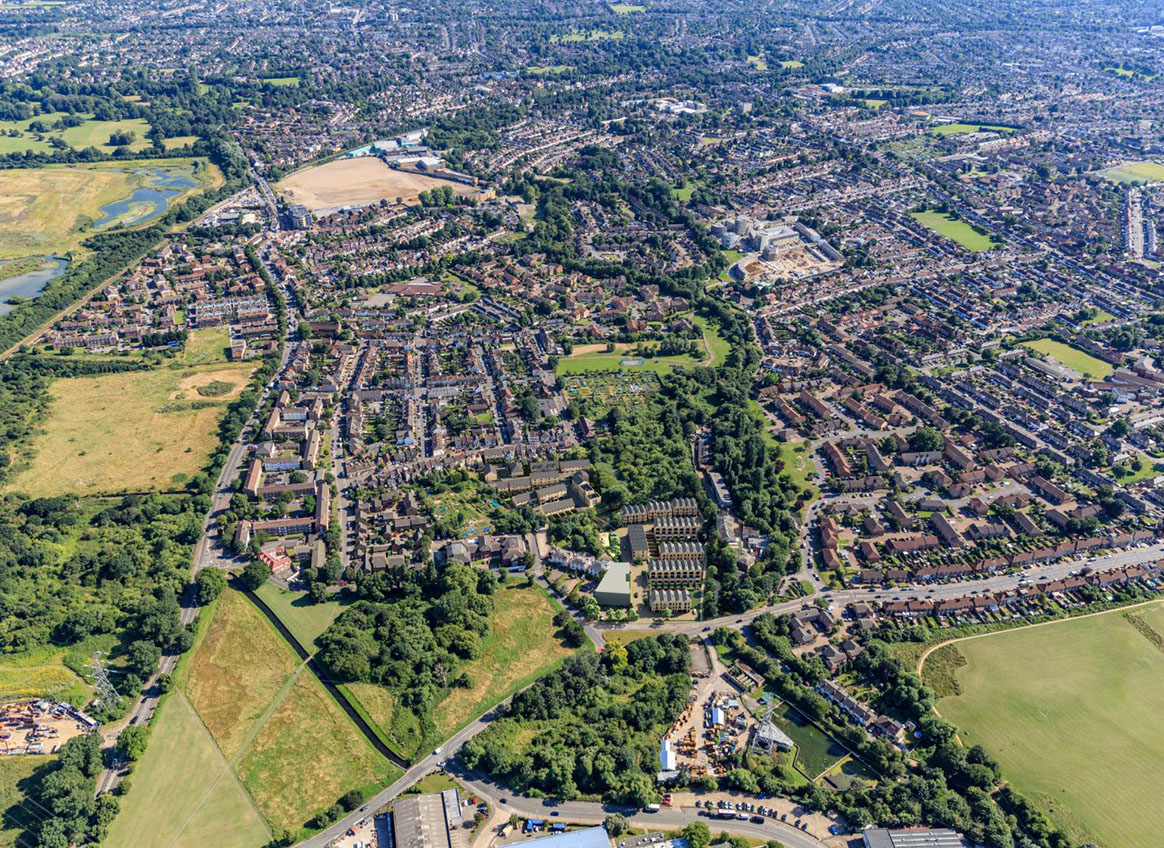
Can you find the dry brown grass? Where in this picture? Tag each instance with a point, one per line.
(358, 182)
(306, 756)
(128, 432)
(237, 670)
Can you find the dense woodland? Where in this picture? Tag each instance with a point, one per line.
(598, 722)
(410, 632)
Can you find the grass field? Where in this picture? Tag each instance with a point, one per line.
(791, 64)
(758, 62)
(1075, 359)
(1071, 712)
(238, 668)
(1136, 172)
(797, 464)
(590, 363)
(962, 129)
(520, 648)
(548, 70)
(397, 725)
(48, 210)
(815, 752)
(135, 431)
(306, 755)
(955, 230)
(281, 82)
(41, 674)
(626, 8)
(184, 792)
(89, 134)
(16, 811)
(590, 35)
(304, 619)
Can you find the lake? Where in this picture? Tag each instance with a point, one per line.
(147, 203)
(30, 284)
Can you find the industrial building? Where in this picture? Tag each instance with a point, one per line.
(428, 821)
(914, 837)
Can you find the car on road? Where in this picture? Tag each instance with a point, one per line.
(436, 752)
(757, 819)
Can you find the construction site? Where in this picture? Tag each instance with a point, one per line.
(39, 727)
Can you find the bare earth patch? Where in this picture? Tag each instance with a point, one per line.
(359, 181)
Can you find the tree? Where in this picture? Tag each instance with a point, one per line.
(255, 575)
(616, 825)
(209, 585)
(925, 439)
(131, 742)
(697, 834)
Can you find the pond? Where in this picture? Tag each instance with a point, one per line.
(148, 202)
(31, 284)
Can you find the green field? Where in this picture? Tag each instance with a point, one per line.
(955, 230)
(1084, 364)
(590, 363)
(133, 431)
(1136, 172)
(759, 62)
(961, 129)
(626, 8)
(183, 792)
(239, 667)
(40, 673)
(304, 619)
(590, 35)
(89, 134)
(17, 812)
(281, 82)
(548, 70)
(791, 64)
(1071, 712)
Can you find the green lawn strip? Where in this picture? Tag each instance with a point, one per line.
(304, 619)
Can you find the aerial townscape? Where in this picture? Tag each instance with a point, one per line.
(664, 424)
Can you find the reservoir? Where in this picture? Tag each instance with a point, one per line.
(30, 284)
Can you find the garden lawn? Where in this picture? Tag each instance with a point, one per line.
(1075, 359)
(816, 753)
(306, 756)
(955, 230)
(183, 793)
(238, 667)
(134, 431)
(304, 619)
(1071, 712)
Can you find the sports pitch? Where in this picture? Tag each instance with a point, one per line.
(1075, 359)
(1071, 712)
(955, 230)
(1136, 172)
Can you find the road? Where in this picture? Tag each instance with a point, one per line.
(936, 591)
(210, 552)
